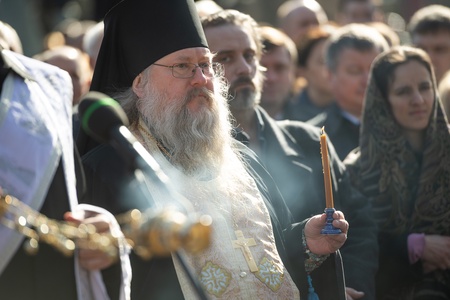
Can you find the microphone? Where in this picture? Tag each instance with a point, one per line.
(104, 119)
(160, 232)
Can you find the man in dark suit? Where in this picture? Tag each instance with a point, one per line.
(350, 52)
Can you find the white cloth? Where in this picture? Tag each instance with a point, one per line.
(96, 289)
(36, 133)
(222, 269)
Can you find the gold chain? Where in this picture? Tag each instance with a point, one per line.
(151, 137)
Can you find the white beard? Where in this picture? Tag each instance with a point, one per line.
(196, 141)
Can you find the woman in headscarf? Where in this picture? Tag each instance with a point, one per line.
(402, 165)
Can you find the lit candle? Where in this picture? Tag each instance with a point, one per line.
(326, 170)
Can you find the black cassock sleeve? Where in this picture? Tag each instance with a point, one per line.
(328, 279)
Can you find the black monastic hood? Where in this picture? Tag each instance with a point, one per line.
(140, 32)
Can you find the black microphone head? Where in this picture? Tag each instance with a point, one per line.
(99, 114)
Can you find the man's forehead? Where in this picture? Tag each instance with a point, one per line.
(432, 36)
(279, 54)
(229, 38)
(354, 57)
(231, 30)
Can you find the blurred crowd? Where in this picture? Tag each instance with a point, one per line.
(375, 74)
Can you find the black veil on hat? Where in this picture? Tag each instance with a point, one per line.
(138, 33)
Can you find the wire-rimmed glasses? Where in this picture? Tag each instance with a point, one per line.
(187, 70)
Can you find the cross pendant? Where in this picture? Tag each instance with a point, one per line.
(244, 244)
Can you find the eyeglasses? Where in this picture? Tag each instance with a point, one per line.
(187, 70)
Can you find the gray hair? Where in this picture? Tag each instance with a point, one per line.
(234, 17)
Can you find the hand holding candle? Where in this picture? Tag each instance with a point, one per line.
(326, 170)
(329, 210)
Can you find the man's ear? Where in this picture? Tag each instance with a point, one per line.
(138, 86)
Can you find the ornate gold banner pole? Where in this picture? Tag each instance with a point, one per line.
(150, 233)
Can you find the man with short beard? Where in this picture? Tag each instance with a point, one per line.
(290, 151)
(166, 82)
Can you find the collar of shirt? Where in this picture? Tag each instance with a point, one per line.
(354, 120)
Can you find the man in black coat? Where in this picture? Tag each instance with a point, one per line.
(349, 55)
(289, 150)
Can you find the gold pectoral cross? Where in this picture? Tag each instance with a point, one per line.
(244, 245)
